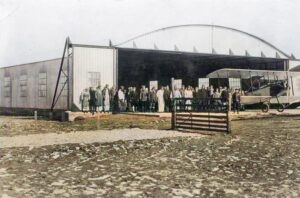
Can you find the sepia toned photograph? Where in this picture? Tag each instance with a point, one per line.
(149, 98)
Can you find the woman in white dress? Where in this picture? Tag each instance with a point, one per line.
(84, 100)
(160, 99)
(106, 98)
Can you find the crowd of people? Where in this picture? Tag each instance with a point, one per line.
(154, 100)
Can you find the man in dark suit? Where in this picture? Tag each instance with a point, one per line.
(236, 99)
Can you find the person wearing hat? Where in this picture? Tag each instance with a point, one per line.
(167, 98)
(99, 99)
(84, 100)
(236, 100)
(106, 98)
(176, 95)
(92, 101)
(144, 98)
(121, 97)
(152, 99)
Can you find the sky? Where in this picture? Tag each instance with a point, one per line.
(35, 30)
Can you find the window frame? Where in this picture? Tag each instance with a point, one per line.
(42, 85)
(235, 83)
(94, 79)
(7, 87)
(23, 82)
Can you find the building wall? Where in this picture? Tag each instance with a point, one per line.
(92, 67)
(295, 80)
(293, 64)
(31, 85)
(296, 86)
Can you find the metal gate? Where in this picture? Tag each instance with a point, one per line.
(209, 114)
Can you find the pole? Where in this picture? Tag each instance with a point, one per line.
(229, 99)
(173, 114)
(228, 118)
(292, 86)
(228, 122)
(251, 83)
(59, 73)
(288, 80)
(68, 73)
(35, 115)
(172, 85)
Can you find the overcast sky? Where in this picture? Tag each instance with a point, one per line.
(34, 30)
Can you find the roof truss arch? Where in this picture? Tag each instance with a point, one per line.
(204, 38)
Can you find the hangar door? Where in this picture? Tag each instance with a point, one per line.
(92, 67)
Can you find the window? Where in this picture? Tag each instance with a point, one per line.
(7, 87)
(203, 82)
(234, 83)
(94, 79)
(177, 83)
(153, 84)
(42, 84)
(63, 87)
(23, 85)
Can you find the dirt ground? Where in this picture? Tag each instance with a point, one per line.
(98, 136)
(259, 159)
(11, 126)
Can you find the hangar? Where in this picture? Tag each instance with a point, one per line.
(186, 52)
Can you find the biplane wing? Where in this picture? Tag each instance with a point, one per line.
(249, 73)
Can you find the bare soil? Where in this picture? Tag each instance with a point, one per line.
(259, 159)
(11, 126)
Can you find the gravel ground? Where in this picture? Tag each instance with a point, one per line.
(259, 159)
(100, 136)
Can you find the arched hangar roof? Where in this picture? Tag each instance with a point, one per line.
(204, 38)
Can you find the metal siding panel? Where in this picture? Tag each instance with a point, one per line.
(293, 63)
(91, 60)
(32, 100)
(62, 102)
(296, 85)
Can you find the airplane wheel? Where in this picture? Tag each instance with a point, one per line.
(280, 108)
(265, 108)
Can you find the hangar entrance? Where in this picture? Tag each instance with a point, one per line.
(138, 67)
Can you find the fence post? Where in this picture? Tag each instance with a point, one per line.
(228, 122)
(173, 115)
(208, 111)
(229, 99)
(228, 113)
(35, 115)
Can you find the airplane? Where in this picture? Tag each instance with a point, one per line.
(264, 87)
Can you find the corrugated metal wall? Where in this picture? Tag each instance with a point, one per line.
(26, 84)
(89, 61)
